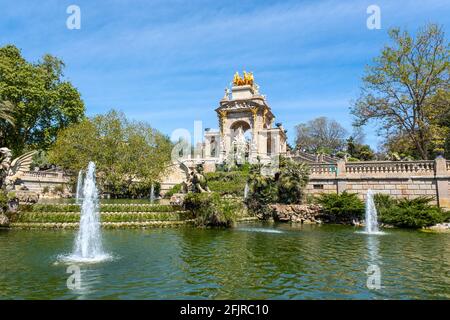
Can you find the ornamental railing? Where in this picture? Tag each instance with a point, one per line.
(378, 169)
(43, 176)
(322, 168)
(388, 167)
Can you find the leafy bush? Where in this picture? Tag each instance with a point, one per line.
(211, 209)
(58, 189)
(341, 207)
(3, 202)
(405, 213)
(383, 201)
(175, 189)
(231, 183)
(286, 186)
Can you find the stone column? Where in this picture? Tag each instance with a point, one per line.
(442, 178)
(340, 176)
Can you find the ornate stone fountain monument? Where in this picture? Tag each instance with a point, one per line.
(246, 130)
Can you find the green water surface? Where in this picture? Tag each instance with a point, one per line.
(251, 261)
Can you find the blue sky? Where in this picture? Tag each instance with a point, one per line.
(168, 62)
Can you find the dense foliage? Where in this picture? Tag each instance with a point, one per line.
(175, 189)
(285, 186)
(43, 102)
(129, 156)
(341, 207)
(3, 201)
(359, 151)
(231, 182)
(211, 209)
(405, 213)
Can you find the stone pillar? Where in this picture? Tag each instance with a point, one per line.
(340, 176)
(262, 143)
(442, 178)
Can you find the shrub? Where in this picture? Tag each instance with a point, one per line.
(286, 186)
(341, 207)
(383, 201)
(404, 213)
(58, 189)
(210, 209)
(175, 189)
(3, 202)
(231, 183)
(45, 190)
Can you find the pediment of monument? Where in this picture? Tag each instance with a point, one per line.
(241, 104)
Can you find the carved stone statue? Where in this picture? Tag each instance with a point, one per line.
(195, 180)
(12, 170)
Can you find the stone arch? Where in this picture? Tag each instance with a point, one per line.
(240, 124)
(246, 128)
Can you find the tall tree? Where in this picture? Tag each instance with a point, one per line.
(320, 135)
(43, 101)
(129, 156)
(399, 87)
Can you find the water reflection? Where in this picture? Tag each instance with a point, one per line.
(302, 262)
(373, 244)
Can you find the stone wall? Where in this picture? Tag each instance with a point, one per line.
(36, 181)
(407, 179)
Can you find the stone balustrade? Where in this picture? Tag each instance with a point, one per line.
(38, 180)
(390, 167)
(408, 179)
(323, 168)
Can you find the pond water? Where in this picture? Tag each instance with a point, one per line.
(251, 261)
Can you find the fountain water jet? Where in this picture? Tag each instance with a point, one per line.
(371, 219)
(152, 194)
(246, 191)
(79, 187)
(88, 243)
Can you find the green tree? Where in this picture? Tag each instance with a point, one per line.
(291, 181)
(398, 89)
(129, 156)
(359, 151)
(320, 135)
(43, 101)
